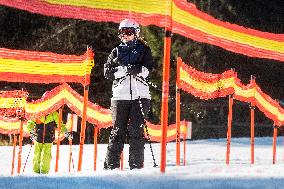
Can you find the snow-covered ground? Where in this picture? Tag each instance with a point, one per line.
(205, 168)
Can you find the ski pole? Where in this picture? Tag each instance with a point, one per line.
(150, 143)
(70, 153)
(28, 156)
(146, 127)
(71, 160)
(73, 163)
(70, 137)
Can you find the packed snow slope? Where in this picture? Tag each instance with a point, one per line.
(205, 168)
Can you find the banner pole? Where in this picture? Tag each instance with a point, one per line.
(121, 160)
(274, 143)
(20, 146)
(83, 126)
(178, 111)
(252, 108)
(58, 139)
(95, 146)
(70, 143)
(165, 96)
(184, 143)
(14, 152)
(230, 114)
(252, 132)
(165, 91)
(84, 117)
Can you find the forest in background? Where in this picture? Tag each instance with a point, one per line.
(27, 31)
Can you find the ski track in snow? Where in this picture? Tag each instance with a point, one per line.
(205, 168)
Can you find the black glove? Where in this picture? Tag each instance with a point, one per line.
(33, 136)
(68, 135)
(134, 69)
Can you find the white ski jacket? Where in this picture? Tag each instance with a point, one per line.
(130, 87)
(118, 68)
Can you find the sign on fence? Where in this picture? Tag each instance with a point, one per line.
(189, 129)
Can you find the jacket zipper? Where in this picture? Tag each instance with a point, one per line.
(130, 84)
(130, 88)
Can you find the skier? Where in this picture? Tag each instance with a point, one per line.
(43, 134)
(128, 66)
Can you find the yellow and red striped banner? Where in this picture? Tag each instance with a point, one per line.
(209, 86)
(55, 99)
(44, 67)
(206, 85)
(12, 126)
(253, 94)
(13, 99)
(179, 15)
(65, 95)
(155, 131)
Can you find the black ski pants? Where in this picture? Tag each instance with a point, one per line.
(128, 120)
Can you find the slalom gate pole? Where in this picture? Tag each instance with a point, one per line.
(282, 131)
(179, 60)
(83, 125)
(95, 147)
(84, 117)
(70, 145)
(274, 143)
(20, 146)
(14, 152)
(230, 113)
(165, 99)
(58, 139)
(28, 156)
(121, 160)
(184, 143)
(252, 108)
(165, 89)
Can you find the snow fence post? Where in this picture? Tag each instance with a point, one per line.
(179, 60)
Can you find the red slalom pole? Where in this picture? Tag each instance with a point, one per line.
(14, 152)
(95, 147)
(184, 143)
(58, 139)
(165, 99)
(252, 132)
(179, 60)
(84, 114)
(70, 155)
(121, 160)
(230, 115)
(252, 108)
(83, 126)
(20, 147)
(274, 144)
(70, 145)
(165, 87)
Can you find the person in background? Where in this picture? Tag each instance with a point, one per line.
(128, 67)
(43, 134)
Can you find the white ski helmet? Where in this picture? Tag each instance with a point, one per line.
(130, 23)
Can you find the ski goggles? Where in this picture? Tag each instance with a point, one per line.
(126, 31)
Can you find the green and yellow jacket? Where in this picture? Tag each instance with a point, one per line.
(45, 127)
